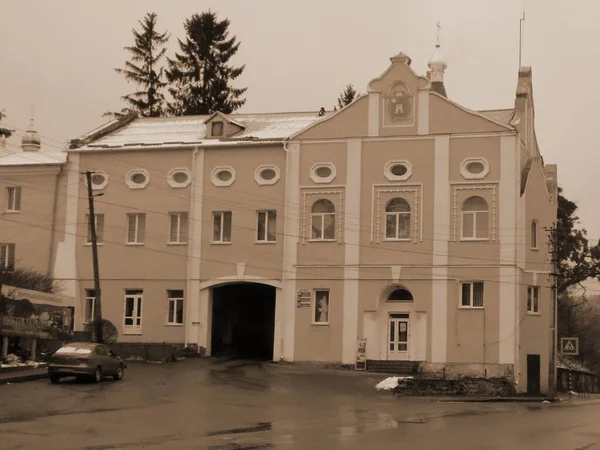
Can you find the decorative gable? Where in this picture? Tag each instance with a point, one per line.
(219, 126)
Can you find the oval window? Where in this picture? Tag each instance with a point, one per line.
(268, 174)
(138, 178)
(323, 172)
(224, 175)
(398, 170)
(98, 179)
(475, 167)
(180, 177)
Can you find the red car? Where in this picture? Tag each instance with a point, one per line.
(85, 359)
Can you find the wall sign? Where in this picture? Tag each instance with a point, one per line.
(303, 299)
(361, 355)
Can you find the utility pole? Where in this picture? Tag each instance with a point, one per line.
(552, 388)
(97, 294)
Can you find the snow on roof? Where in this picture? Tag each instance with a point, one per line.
(170, 131)
(499, 115)
(20, 158)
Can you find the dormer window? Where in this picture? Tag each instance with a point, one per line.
(216, 129)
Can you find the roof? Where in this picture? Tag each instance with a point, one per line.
(562, 362)
(187, 130)
(20, 158)
(504, 116)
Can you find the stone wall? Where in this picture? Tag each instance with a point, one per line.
(155, 352)
(455, 371)
(483, 387)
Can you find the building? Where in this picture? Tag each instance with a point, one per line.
(404, 219)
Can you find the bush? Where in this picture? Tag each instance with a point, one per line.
(109, 331)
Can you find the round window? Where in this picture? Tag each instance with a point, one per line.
(268, 174)
(323, 172)
(98, 179)
(138, 178)
(180, 177)
(224, 175)
(475, 167)
(398, 170)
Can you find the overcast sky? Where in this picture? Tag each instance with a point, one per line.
(59, 56)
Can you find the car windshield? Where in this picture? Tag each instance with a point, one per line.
(77, 350)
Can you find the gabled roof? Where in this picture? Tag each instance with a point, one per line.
(190, 130)
(20, 158)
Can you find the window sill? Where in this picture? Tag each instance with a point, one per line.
(131, 333)
(469, 308)
(474, 240)
(534, 249)
(173, 324)
(397, 240)
(12, 211)
(177, 243)
(321, 240)
(320, 324)
(89, 244)
(265, 242)
(134, 244)
(531, 313)
(220, 243)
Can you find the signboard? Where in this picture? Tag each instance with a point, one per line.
(303, 299)
(361, 355)
(21, 317)
(37, 296)
(569, 346)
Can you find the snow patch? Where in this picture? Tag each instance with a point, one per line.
(389, 383)
(79, 351)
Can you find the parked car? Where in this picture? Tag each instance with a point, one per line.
(85, 359)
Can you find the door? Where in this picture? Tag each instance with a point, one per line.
(533, 374)
(133, 312)
(398, 337)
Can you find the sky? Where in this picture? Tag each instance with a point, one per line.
(59, 58)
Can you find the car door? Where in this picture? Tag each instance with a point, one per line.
(103, 360)
(113, 360)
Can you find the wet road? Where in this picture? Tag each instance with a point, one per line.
(226, 406)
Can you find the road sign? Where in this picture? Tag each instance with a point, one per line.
(569, 346)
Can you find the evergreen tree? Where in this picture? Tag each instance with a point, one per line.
(347, 96)
(4, 132)
(146, 53)
(200, 76)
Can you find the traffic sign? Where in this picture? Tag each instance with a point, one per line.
(569, 346)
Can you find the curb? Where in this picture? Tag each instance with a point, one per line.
(23, 378)
(503, 400)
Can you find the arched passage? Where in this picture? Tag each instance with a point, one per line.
(243, 320)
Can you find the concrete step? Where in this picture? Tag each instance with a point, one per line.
(395, 367)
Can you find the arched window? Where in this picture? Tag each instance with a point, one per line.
(475, 219)
(400, 294)
(323, 220)
(534, 232)
(397, 219)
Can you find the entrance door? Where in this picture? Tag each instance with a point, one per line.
(533, 374)
(398, 335)
(133, 311)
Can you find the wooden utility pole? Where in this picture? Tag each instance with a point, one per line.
(97, 294)
(552, 382)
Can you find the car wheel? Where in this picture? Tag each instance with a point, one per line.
(54, 378)
(120, 373)
(98, 375)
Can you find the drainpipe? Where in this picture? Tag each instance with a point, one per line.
(190, 248)
(52, 229)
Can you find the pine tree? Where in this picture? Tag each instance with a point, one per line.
(200, 76)
(146, 53)
(347, 96)
(4, 132)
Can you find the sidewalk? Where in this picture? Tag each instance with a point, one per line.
(22, 374)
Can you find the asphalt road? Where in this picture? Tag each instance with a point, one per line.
(226, 406)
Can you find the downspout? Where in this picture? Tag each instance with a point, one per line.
(190, 249)
(53, 226)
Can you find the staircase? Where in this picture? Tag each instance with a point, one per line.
(405, 368)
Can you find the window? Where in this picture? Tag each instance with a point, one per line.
(400, 294)
(13, 199)
(178, 232)
(99, 219)
(133, 311)
(474, 168)
(397, 219)
(99, 180)
(179, 177)
(223, 176)
(472, 294)
(323, 221)
(101, 351)
(534, 234)
(137, 179)
(475, 219)
(533, 302)
(217, 129)
(175, 314)
(222, 226)
(322, 173)
(7, 257)
(267, 175)
(398, 170)
(136, 228)
(90, 299)
(321, 306)
(266, 226)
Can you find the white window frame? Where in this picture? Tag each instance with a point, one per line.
(132, 184)
(175, 184)
(533, 300)
(397, 220)
(13, 199)
(181, 217)
(474, 214)
(137, 295)
(464, 171)
(471, 285)
(265, 215)
(175, 300)
(316, 295)
(322, 180)
(7, 254)
(214, 176)
(92, 299)
(534, 235)
(322, 237)
(99, 223)
(138, 236)
(264, 182)
(391, 176)
(219, 218)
